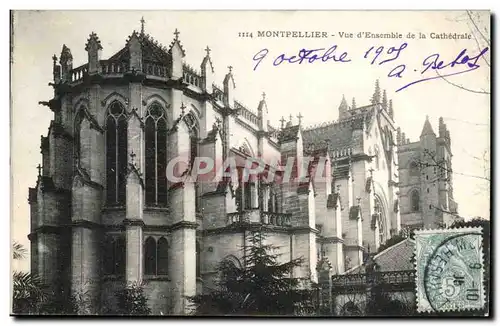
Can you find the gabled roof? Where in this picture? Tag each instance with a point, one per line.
(151, 50)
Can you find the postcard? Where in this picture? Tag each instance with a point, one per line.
(251, 163)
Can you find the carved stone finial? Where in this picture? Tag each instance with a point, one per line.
(132, 157)
(54, 58)
(290, 117)
(142, 25)
(264, 95)
(183, 108)
(39, 168)
(230, 69)
(282, 120)
(358, 199)
(300, 118)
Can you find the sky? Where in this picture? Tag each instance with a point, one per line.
(313, 89)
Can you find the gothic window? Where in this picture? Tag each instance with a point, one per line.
(192, 125)
(156, 156)
(116, 154)
(198, 259)
(109, 247)
(156, 256)
(415, 201)
(119, 254)
(247, 195)
(162, 256)
(150, 256)
(414, 171)
(272, 205)
(78, 135)
(378, 210)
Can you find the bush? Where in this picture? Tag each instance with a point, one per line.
(132, 300)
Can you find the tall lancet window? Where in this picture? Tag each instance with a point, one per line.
(156, 156)
(116, 154)
(378, 210)
(192, 124)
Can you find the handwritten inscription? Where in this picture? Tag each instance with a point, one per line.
(380, 55)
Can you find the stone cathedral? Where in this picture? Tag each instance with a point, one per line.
(104, 213)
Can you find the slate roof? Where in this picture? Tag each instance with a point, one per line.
(395, 258)
(289, 133)
(338, 134)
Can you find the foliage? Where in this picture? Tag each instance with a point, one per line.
(18, 251)
(261, 287)
(381, 303)
(28, 293)
(395, 240)
(132, 300)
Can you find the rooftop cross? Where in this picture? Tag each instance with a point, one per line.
(176, 33)
(208, 50)
(300, 118)
(39, 168)
(230, 69)
(142, 25)
(282, 120)
(290, 118)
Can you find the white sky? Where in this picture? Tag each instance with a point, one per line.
(315, 90)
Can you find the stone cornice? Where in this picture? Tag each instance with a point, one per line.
(330, 240)
(354, 247)
(133, 222)
(184, 225)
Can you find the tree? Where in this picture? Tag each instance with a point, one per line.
(132, 300)
(479, 28)
(28, 290)
(261, 287)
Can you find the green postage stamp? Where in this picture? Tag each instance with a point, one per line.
(449, 270)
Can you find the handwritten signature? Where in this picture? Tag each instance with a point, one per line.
(380, 56)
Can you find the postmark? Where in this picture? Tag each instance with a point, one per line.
(449, 270)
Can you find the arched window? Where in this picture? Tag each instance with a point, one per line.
(272, 205)
(156, 156)
(162, 268)
(77, 135)
(415, 201)
(192, 125)
(109, 258)
(379, 211)
(114, 255)
(116, 154)
(194, 134)
(198, 259)
(414, 171)
(119, 256)
(150, 256)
